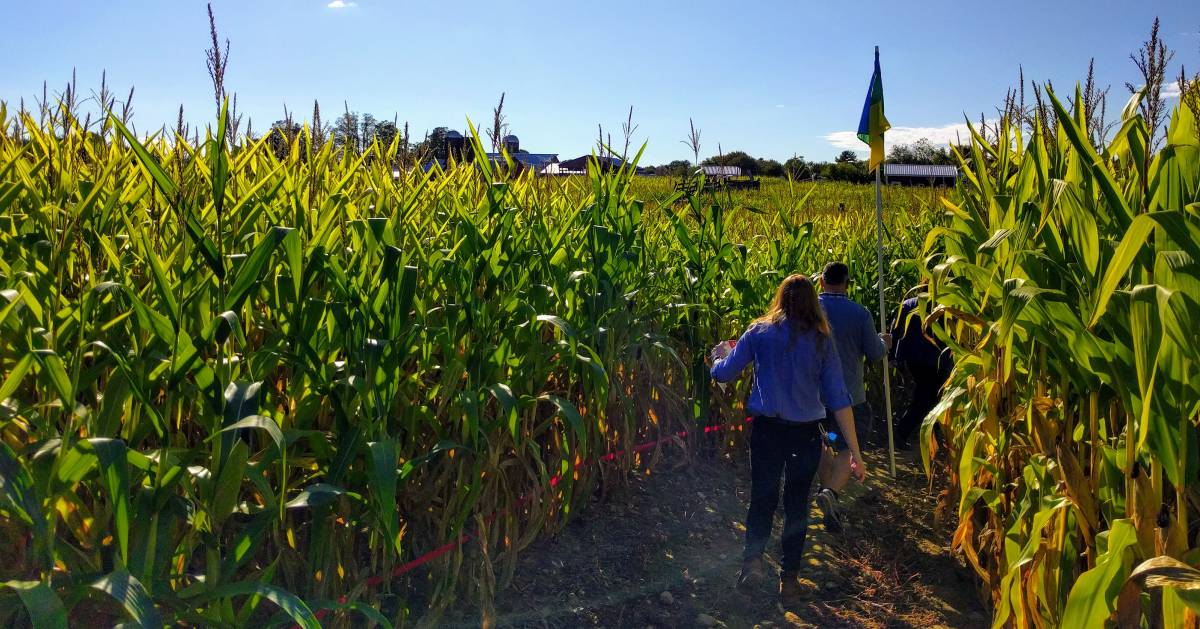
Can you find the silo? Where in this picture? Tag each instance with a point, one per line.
(456, 145)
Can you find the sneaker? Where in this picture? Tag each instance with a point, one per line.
(827, 500)
(752, 573)
(792, 591)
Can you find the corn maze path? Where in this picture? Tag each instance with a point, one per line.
(664, 552)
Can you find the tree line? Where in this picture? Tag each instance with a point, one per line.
(356, 132)
(359, 131)
(845, 167)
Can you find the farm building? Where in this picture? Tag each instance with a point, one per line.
(722, 171)
(536, 161)
(580, 164)
(919, 174)
(557, 169)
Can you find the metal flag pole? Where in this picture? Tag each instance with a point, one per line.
(887, 379)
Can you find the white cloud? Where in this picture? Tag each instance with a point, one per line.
(342, 4)
(1171, 90)
(943, 136)
(779, 107)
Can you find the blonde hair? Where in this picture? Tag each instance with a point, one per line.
(796, 303)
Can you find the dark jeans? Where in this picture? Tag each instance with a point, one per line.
(792, 451)
(927, 388)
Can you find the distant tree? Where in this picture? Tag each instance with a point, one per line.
(768, 168)
(920, 152)
(367, 125)
(734, 158)
(435, 143)
(280, 137)
(928, 153)
(346, 131)
(385, 132)
(797, 168)
(841, 170)
(676, 168)
(901, 154)
(846, 157)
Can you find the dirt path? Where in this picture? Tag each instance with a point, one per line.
(665, 552)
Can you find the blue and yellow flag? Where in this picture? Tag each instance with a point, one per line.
(873, 122)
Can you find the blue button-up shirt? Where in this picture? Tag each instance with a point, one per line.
(854, 332)
(795, 379)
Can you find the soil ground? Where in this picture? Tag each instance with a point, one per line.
(665, 551)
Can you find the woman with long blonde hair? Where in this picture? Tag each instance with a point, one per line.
(797, 376)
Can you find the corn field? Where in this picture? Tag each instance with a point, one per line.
(236, 385)
(1066, 283)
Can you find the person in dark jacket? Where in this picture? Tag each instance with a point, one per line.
(924, 358)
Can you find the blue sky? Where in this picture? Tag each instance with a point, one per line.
(771, 78)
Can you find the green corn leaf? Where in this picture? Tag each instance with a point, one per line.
(112, 457)
(148, 162)
(248, 540)
(54, 370)
(222, 326)
(131, 595)
(569, 412)
(442, 446)
(286, 601)
(251, 273)
(383, 476)
(241, 400)
(568, 332)
(208, 250)
(368, 612)
(1079, 139)
(45, 609)
(262, 423)
(135, 386)
(316, 495)
(508, 406)
(74, 464)
(294, 254)
(405, 293)
(1093, 597)
(18, 491)
(162, 286)
(12, 381)
(151, 319)
(229, 483)
(1145, 314)
(1132, 242)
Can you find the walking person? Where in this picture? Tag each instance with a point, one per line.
(857, 341)
(928, 368)
(796, 376)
